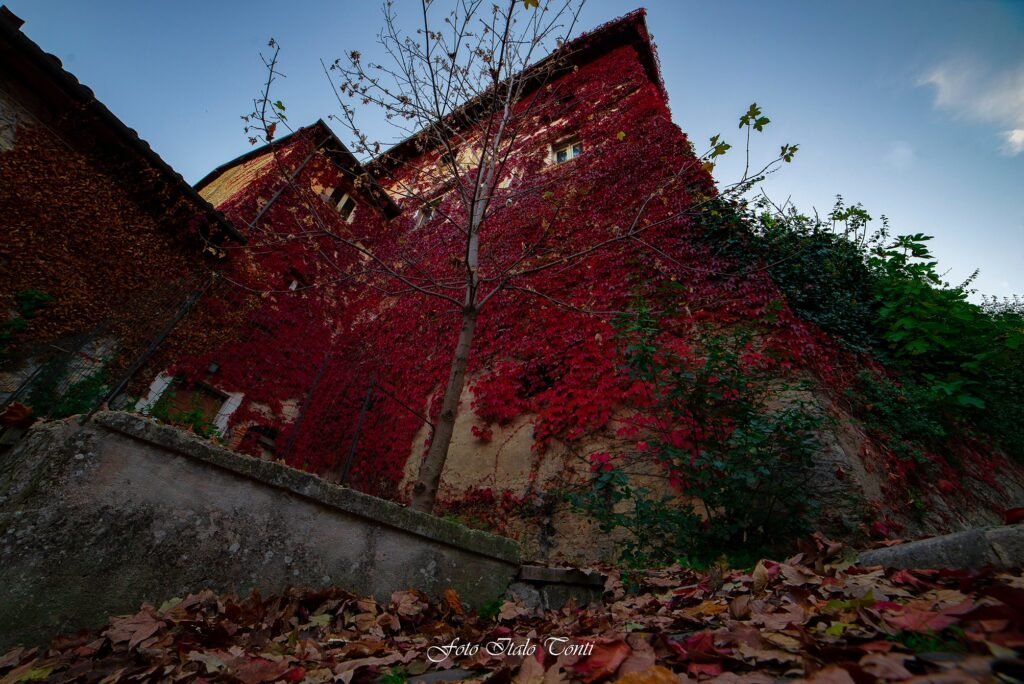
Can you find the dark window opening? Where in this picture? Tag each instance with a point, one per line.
(344, 203)
(194, 405)
(424, 214)
(260, 441)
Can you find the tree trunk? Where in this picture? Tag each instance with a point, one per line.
(425, 491)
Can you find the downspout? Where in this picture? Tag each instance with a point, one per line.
(183, 310)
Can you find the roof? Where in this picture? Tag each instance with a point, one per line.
(629, 29)
(44, 76)
(331, 145)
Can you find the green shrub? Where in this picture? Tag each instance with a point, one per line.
(956, 367)
(737, 459)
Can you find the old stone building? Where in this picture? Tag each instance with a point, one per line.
(103, 243)
(309, 340)
(333, 375)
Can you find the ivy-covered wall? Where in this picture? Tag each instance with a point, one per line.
(83, 256)
(340, 362)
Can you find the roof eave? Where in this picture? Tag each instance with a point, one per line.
(11, 34)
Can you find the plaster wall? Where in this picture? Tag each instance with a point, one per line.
(95, 521)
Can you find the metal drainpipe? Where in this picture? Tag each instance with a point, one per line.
(351, 457)
(185, 307)
(287, 451)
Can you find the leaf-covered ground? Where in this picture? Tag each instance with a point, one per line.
(812, 617)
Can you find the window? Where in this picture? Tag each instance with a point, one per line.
(260, 441)
(566, 150)
(295, 280)
(195, 405)
(424, 214)
(344, 203)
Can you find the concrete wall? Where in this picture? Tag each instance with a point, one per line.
(94, 521)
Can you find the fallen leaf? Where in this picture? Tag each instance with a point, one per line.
(451, 598)
(652, 675)
(760, 576)
(832, 674)
(408, 603)
(603, 661)
(706, 669)
(213, 660)
(886, 666)
(739, 607)
(134, 629)
(257, 670)
(914, 620)
(531, 671)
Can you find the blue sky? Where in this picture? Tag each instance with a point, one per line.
(913, 108)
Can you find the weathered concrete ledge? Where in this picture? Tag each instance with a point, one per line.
(545, 587)
(379, 511)
(95, 520)
(1000, 547)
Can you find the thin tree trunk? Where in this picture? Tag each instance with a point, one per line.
(425, 491)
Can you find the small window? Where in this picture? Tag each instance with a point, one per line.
(260, 441)
(424, 214)
(566, 151)
(195, 405)
(295, 280)
(344, 203)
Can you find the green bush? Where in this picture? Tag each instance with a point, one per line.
(27, 303)
(194, 418)
(48, 397)
(957, 367)
(737, 457)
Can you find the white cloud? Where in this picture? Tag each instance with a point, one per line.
(1014, 141)
(984, 95)
(900, 155)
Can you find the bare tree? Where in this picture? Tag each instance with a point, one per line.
(463, 92)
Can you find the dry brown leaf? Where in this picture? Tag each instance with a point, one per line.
(783, 641)
(451, 598)
(344, 671)
(754, 655)
(365, 622)
(531, 671)
(604, 660)
(366, 606)
(886, 666)
(215, 661)
(134, 629)
(833, 674)
(510, 610)
(652, 675)
(15, 656)
(408, 603)
(798, 576)
(760, 576)
(739, 607)
(642, 657)
(708, 608)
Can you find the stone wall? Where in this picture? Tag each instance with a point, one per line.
(96, 520)
(847, 481)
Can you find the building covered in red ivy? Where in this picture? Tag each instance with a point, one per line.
(313, 338)
(300, 352)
